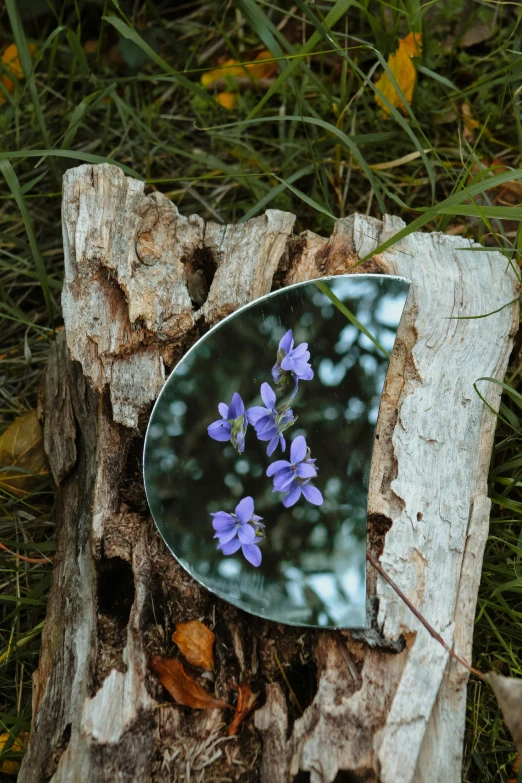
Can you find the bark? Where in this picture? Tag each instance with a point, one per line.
(141, 284)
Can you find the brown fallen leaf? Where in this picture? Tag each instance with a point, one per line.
(508, 691)
(509, 192)
(21, 449)
(196, 643)
(404, 73)
(183, 690)
(245, 703)
(477, 33)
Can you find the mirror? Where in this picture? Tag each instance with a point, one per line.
(258, 450)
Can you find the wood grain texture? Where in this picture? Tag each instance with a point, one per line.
(142, 282)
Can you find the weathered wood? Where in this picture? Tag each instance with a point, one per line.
(142, 282)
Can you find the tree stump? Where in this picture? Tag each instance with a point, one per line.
(385, 704)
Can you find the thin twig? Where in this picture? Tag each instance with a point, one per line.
(375, 563)
(285, 678)
(37, 560)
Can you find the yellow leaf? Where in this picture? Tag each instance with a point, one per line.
(226, 99)
(196, 643)
(21, 449)
(10, 766)
(11, 60)
(404, 73)
(260, 69)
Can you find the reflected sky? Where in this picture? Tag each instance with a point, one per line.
(313, 570)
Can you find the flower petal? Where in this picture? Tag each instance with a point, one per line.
(236, 407)
(268, 395)
(298, 449)
(223, 410)
(223, 521)
(292, 497)
(266, 434)
(300, 366)
(265, 424)
(252, 553)
(312, 494)
(245, 510)
(255, 413)
(299, 350)
(286, 342)
(240, 440)
(307, 375)
(219, 430)
(231, 546)
(305, 470)
(226, 535)
(246, 534)
(283, 479)
(276, 373)
(272, 446)
(276, 466)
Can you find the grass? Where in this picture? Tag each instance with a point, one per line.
(121, 82)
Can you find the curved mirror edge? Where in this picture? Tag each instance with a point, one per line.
(316, 574)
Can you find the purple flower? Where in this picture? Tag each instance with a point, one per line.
(268, 422)
(233, 423)
(293, 477)
(239, 530)
(292, 361)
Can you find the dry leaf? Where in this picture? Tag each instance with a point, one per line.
(196, 643)
(11, 60)
(245, 703)
(404, 73)
(260, 69)
(508, 691)
(10, 766)
(477, 33)
(91, 46)
(445, 117)
(226, 99)
(509, 193)
(183, 690)
(470, 124)
(21, 447)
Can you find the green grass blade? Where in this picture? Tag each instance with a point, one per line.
(86, 157)
(25, 61)
(14, 186)
(128, 32)
(76, 46)
(306, 199)
(339, 9)
(350, 316)
(346, 140)
(456, 198)
(274, 192)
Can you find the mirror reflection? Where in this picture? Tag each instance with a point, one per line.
(258, 451)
